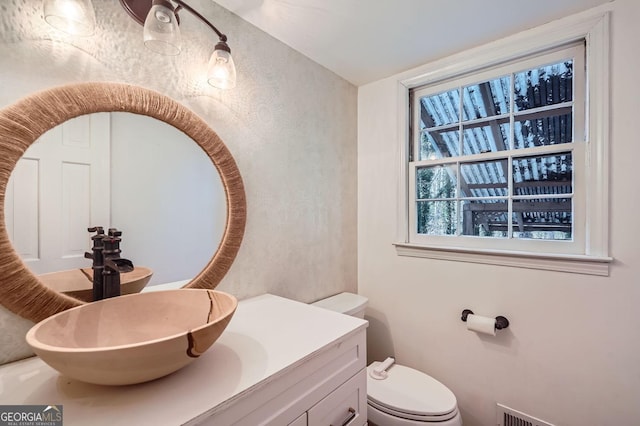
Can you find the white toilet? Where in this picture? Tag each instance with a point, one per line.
(398, 395)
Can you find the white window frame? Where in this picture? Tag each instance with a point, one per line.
(592, 162)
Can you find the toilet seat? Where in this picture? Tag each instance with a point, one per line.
(410, 394)
(425, 418)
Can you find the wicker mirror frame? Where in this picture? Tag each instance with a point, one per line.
(25, 121)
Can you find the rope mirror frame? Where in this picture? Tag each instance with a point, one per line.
(22, 123)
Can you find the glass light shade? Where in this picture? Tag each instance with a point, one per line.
(75, 17)
(161, 29)
(222, 70)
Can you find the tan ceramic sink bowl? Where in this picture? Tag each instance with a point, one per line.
(78, 283)
(134, 338)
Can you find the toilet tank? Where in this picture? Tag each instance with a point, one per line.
(345, 303)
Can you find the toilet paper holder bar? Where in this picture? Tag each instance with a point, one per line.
(501, 322)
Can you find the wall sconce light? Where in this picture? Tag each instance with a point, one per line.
(75, 17)
(162, 35)
(161, 32)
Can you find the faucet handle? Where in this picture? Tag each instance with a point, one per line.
(97, 238)
(98, 229)
(113, 232)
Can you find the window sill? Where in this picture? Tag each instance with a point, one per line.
(577, 264)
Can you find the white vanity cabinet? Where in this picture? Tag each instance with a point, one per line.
(279, 362)
(319, 390)
(327, 388)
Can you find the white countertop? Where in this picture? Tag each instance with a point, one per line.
(267, 336)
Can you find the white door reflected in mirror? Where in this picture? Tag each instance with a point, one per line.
(62, 181)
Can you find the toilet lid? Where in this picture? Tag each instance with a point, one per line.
(410, 391)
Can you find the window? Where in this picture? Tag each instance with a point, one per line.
(499, 158)
(493, 155)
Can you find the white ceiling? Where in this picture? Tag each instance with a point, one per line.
(366, 40)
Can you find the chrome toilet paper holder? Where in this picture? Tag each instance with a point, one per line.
(501, 322)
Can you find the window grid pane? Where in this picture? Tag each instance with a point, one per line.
(440, 109)
(485, 217)
(544, 85)
(543, 219)
(436, 182)
(487, 137)
(439, 144)
(486, 99)
(543, 175)
(437, 217)
(547, 128)
(484, 179)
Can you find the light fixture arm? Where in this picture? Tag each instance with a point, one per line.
(162, 35)
(183, 5)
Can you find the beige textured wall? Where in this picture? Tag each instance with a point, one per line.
(570, 355)
(290, 124)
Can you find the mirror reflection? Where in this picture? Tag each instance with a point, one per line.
(115, 170)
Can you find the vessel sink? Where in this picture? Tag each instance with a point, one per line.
(134, 338)
(78, 283)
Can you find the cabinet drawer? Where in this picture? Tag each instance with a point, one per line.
(347, 405)
(300, 421)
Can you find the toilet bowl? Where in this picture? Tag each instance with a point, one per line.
(398, 395)
(404, 396)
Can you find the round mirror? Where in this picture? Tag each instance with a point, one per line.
(22, 124)
(119, 170)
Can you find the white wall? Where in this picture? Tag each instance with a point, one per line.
(290, 125)
(570, 356)
(166, 197)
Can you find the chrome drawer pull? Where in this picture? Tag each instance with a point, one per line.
(350, 416)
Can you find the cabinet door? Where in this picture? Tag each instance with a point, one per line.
(300, 421)
(347, 405)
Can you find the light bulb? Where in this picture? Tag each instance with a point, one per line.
(222, 70)
(75, 17)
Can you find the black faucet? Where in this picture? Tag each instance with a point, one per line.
(98, 261)
(113, 264)
(107, 263)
